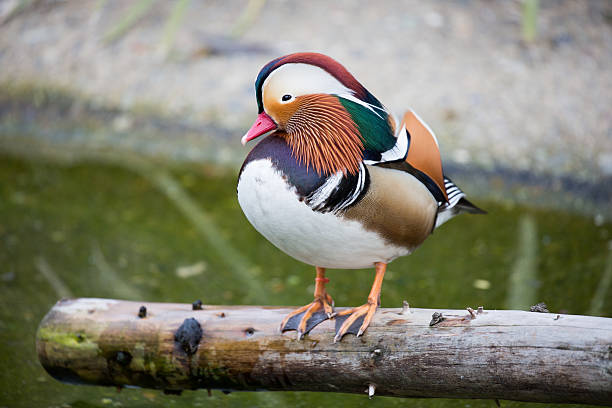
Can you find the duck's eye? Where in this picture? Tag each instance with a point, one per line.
(286, 98)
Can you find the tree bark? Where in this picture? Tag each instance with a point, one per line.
(500, 354)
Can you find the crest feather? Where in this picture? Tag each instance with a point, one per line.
(322, 61)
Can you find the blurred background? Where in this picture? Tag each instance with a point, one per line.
(120, 124)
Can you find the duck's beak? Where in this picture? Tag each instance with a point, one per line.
(263, 124)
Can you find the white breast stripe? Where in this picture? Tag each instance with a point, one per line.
(318, 199)
(359, 188)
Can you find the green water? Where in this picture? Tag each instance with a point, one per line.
(103, 230)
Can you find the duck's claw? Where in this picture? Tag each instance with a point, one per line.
(354, 321)
(304, 319)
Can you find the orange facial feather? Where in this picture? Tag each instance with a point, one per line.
(322, 134)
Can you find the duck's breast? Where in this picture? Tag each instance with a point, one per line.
(326, 239)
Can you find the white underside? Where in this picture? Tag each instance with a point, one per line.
(320, 239)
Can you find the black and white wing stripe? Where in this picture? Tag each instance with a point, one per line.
(456, 204)
(453, 192)
(339, 191)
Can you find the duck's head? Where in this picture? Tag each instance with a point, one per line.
(327, 117)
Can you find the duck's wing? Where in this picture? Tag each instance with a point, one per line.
(423, 152)
(417, 152)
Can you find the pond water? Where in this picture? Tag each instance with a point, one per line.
(171, 234)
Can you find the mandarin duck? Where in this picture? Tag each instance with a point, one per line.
(339, 183)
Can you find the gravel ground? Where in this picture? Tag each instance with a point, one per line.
(463, 66)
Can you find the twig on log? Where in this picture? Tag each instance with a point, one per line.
(485, 354)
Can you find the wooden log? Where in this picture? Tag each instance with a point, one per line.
(500, 354)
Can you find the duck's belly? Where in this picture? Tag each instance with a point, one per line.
(321, 239)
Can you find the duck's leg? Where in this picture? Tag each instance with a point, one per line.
(357, 319)
(307, 317)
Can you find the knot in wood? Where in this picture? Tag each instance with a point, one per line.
(189, 335)
(436, 318)
(539, 308)
(124, 358)
(197, 305)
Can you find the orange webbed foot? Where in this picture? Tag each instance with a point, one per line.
(355, 320)
(304, 319)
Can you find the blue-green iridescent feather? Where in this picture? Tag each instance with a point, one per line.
(376, 132)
